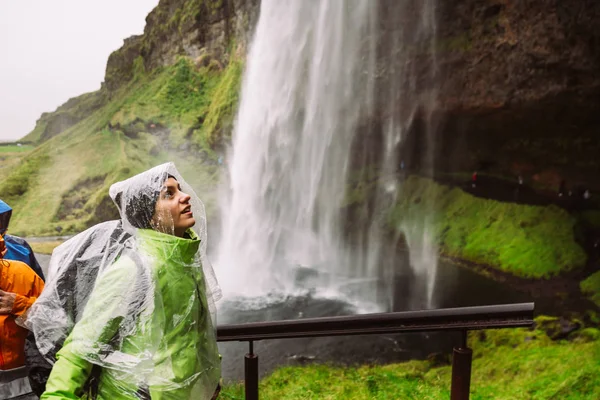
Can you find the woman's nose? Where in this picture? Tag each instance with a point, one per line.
(185, 198)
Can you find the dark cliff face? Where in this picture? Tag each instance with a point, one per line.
(121, 63)
(520, 87)
(503, 54)
(193, 28)
(517, 84)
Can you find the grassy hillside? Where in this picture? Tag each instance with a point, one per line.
(527, 241)
(508, 364)
(62, 185)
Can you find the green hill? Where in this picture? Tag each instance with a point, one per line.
(160, 101)
(62, 184)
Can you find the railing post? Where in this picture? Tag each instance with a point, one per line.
(251, 373)
(461, 370)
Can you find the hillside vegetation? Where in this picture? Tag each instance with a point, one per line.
(62, 184)
(526, 241)
(507, 364)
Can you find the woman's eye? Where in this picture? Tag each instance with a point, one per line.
(168, 195)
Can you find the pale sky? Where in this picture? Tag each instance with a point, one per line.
(52, 50)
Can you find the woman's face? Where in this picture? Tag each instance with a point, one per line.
(173, 213)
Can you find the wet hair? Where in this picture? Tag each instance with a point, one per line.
(141, 205)
(140, 209)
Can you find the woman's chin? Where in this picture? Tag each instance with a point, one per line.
(189, 222)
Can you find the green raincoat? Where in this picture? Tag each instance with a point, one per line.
(171, 351)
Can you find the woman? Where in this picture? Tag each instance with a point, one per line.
(146, 331)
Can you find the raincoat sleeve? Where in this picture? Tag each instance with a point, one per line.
(23, 302)
(98, 325)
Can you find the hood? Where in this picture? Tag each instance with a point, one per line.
(136, 197)
(5, 214)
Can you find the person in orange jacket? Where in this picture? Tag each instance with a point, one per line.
(19, 288)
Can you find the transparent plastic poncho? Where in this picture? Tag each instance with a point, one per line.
(133, 298)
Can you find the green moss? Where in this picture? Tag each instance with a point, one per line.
(550, 325)
(139, 69)
(190, 10)
(591, 287)
(18, 182)
(585, 335)
(508, 364)
(527, 241)
(177, 96)
(189, 101)
(187, 90)
(223, 104)
(175, 19)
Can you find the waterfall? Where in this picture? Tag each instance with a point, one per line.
(312, 79)
(413, 90)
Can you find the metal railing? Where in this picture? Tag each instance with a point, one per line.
(461, 319)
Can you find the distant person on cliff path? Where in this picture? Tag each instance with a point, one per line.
(17, 248)
(474, 179)
(586, 194)
(562, 188)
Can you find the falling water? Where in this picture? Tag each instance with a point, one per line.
(413, 84)
(312, 80)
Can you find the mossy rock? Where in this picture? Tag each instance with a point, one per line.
(215, 66)
(590, 287)
(202, 60)
(592, 317)
(557, 328)
(585, 335)
(439, 359)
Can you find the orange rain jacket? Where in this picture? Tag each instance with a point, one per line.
(16, 277)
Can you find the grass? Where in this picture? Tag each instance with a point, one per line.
(17, 182)
(184, 99)
(508, 364)
(44, 247)
(61, 186)
(591, 287)
(13, 148)
(527, 241)
(223, 105)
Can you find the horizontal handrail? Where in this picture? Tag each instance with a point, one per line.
(463, 318)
